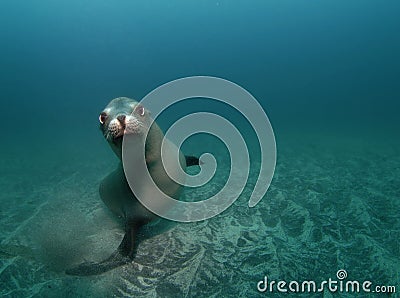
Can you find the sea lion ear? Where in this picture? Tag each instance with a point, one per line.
(140, 109)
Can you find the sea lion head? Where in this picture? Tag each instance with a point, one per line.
(120, 117)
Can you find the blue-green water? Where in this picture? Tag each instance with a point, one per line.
(327, 74)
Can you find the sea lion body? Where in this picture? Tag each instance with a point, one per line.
(114, 189)
(121, 117)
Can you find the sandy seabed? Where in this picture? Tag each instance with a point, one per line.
(333, 204)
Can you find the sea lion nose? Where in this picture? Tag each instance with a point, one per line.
(121, 119)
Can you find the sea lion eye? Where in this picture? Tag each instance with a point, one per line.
(140, 110)
(103, 117)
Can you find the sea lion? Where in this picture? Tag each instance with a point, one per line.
(123, 116)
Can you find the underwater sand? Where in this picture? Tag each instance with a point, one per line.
(333, 204)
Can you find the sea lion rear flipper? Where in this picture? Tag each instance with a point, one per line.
(121, 256)
(192, 161)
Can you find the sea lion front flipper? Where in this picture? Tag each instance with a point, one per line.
(192, 161)
(128, 245)
(123, 255)
(92, 268)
